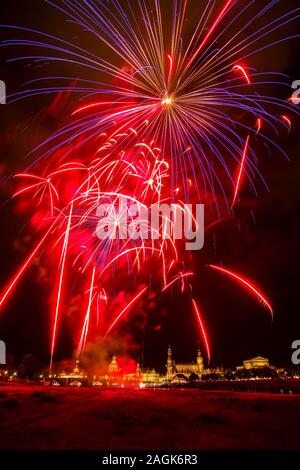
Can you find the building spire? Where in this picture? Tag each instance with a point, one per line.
(200, 361)
(169, 364)
(113, 366)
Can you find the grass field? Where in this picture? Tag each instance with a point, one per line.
(90, 418)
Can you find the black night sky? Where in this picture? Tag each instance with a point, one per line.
(265, 248)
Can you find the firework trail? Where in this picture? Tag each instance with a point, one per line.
(244, 282)
(171, 118)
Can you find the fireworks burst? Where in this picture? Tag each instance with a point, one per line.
(170, 118)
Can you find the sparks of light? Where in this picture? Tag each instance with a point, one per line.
(258, 125)
(181, 276)
(23, 268)
(167, 101)
(202, 329)
(294, 99)
(131, 303)
(211, 30)
(243, 70)
(94, 105)
(170, 58)
(240, 173)
(60, 284)
(250, 286)
(85, 328)
(287, 120)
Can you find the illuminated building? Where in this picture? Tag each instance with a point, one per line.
(180, 373)
(183, 371)
(176, 372)
(113, 367)
(255, 363)
(258, 368)
(217, 373)
(140, 377)
(150, 377)
(116, 377)
(76, 378)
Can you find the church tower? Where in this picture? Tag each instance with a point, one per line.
(200, 363)
(169, 364)
(76, 368)
(113, 367)
(138, 369)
